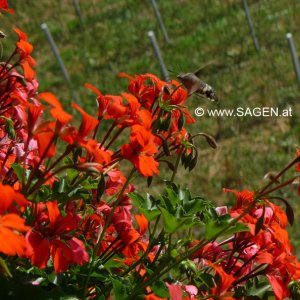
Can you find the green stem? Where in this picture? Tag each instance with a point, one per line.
(107, 134)
(33, 172)
(190, 252)
(107, 222)
(97, 127)
(115, 137)
(262, 191)
(150, 245)
(266, 192)
(176, 165)
(103, 230)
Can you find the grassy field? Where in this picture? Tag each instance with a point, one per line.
(114, 39)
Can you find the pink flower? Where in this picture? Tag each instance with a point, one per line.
(221, 210)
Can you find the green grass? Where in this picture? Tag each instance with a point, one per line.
(114, 39)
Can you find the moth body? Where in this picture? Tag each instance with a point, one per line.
(195, 85)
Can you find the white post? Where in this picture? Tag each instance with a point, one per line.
(55, 50)
(157, 53)
(160, 21)
(294, 56)
(250, 24)
(78, 12)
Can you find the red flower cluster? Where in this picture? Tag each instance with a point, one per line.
(4, 6)
(65, 201)
(29, 160)
(265, 250)
(11, 224)
(54, 234)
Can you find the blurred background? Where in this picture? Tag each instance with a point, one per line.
(110, 37)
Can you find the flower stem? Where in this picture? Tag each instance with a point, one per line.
(103, 230)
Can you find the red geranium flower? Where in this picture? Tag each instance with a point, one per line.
(140, 151)
(57, 111)
(51, 235)
(12, 242)
(25, 49)
(4, 6)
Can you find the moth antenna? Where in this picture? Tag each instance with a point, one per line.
(198, 71)
(171, 71)
(179, 69)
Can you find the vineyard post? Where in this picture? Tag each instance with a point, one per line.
(293, 51)
(78, 12)
(55, 50)
(157, 53)
(160, 21)
(250, 24)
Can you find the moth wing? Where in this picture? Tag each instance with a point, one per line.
(193, 89)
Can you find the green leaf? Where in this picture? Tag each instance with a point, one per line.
(159, 289)
(146, 206)
(188, 265)
(180, 121)
(171, 198)
(18, 170)
(169, 164)
(173, 224)
(4, 268)
(259, 289)
(184, 195)
(137, 199)
(119, 289)
(61, 186)
(74, 191)
(166, 122)
(19, 287)
(100, 187)
(195, 205)
(215, 228)
(205, 279)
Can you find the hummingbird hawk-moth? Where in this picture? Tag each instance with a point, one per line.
(194, 84)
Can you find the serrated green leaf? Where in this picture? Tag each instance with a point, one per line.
(215, 228)
(145, 205)
(173, 224)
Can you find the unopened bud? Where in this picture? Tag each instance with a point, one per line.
(210, 140)
(90, 167)
(271, 176)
